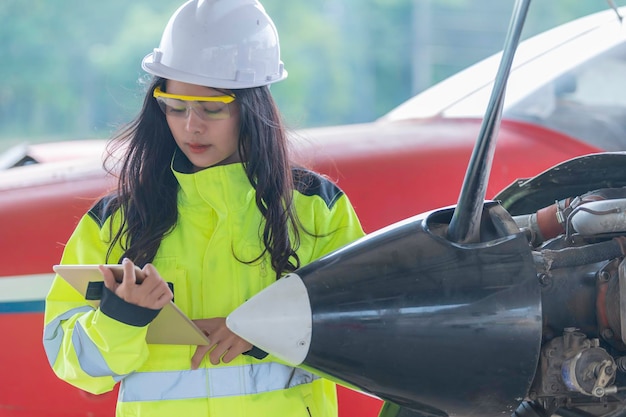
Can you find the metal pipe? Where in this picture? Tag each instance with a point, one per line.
(465, 223)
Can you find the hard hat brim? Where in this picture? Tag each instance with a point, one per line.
(160, 70)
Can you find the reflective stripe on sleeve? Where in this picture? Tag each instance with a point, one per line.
(212, 382)
(53, 333)
(89, 357)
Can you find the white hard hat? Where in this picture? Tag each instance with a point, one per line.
(219, 43)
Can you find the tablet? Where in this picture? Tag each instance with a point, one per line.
(171, 326)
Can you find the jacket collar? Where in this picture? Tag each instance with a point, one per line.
(223, 187)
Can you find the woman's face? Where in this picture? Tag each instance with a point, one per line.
(207, 132)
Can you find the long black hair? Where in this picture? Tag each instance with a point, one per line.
(145, 181)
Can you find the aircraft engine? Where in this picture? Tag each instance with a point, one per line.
(529, 321)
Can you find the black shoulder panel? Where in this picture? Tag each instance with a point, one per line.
(311, 184)
(101, 211)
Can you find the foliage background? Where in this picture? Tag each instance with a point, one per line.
(71, 68)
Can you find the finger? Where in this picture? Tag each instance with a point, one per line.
(238, 346)
(214, 325)
(198, 355)
(160, 289)
(154, 286)
(151, 280)
(165, 296)
(150, 269)
(216, 354)
(232, 353)
(109, 278)
(162, 297)
(129, 272)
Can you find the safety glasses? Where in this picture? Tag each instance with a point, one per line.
(207, 108)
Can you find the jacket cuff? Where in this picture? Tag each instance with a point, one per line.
(255, 352)
(118, 309)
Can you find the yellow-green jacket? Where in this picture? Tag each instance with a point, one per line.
(217, 218)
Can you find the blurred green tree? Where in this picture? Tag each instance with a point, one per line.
(71, 69)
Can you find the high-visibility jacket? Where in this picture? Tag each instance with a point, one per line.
(218, 224)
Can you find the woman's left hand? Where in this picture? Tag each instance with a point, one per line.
(225, 345)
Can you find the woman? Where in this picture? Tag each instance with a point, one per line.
(208, 201)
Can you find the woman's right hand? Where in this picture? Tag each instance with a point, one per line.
(151, 291)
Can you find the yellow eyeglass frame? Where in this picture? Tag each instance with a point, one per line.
(222, 99)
